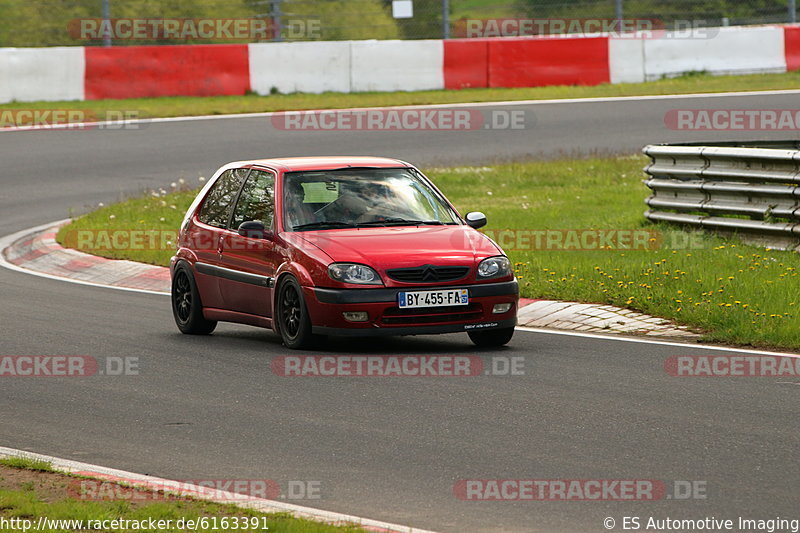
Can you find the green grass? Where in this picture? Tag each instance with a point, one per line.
(54, 497)
(153, 217)
(735, 293)
(217, 105)
(27, 463)
(27, 504)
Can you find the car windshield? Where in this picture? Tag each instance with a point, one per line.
(353, 198)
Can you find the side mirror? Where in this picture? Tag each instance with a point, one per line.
(254, 229)
(475, 219)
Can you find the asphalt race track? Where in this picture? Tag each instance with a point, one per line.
(388, 449)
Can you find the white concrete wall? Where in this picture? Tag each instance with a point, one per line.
(309, 67)
(347, 66)
(396, 65)
(31, 74)
(626, 60)
(732, 50)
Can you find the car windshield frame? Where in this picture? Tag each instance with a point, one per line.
(368, 189)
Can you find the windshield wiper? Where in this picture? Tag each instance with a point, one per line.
(323, 225)
(401, 222)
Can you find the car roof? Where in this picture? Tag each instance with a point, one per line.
(295, 164)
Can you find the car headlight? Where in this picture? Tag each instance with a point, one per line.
(354, 273)
(494, 267)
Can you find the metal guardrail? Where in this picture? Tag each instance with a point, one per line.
(751, 189)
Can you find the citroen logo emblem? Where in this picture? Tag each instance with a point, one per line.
(429, 274)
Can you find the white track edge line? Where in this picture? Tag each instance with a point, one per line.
(226, 497)
(598, 99)
(624, 338)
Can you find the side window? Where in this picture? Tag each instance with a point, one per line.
(257, 200)
(218, 203)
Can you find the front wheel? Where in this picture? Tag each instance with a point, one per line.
(186, 305)
(291, 312)
(492, 337)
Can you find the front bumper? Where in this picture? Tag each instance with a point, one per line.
(326, 308)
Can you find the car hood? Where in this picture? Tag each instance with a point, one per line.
(403, 246)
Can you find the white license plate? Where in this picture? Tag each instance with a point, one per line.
(445, 298)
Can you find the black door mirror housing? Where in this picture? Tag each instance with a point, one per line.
(254, 229)
(475, 219)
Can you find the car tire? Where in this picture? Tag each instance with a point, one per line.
(187, 309)
(491, 337)
(291, 313)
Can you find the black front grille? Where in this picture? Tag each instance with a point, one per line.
(428, 274)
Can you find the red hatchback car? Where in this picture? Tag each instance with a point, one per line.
(315, 246)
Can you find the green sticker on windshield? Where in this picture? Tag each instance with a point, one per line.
(320, 192)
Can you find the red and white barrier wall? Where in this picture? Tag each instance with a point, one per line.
(526, 62)
(91, 73)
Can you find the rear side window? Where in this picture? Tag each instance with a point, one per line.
(256, 202)
(218, 203)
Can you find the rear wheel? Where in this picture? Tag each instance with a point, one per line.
(291, 313)
(186, 305)
(491, 337)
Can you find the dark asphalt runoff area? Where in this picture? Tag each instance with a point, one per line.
(390, 449)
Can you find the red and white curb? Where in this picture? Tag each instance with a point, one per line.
(36, 251)
(596, 318)
(165, 485)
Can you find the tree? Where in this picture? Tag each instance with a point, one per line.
(53, 22)
(706, 13)
(342, 20)
(426, 22)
